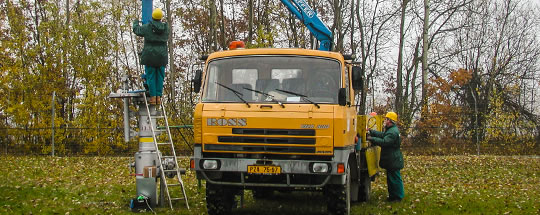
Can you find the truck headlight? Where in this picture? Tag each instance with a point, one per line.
(210, 164)
(319, 167)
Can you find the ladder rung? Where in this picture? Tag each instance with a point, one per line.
(167, 156)
(156, 117)
(176, 199)
(173, 185)
(170, 170)
(164, 143)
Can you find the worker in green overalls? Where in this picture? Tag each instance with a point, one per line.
(154, 53)
(391, 156)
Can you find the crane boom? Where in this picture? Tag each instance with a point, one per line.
(309, 18)
(146, 11)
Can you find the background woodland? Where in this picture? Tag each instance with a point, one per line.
(463, 75)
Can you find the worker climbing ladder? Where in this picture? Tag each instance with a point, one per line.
(156, 157)
(166, 158)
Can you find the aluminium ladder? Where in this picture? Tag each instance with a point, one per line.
(163, 115)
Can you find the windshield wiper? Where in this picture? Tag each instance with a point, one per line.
(304, 97)
(267, 95)
(238, 94)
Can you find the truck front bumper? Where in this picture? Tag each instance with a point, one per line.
(294, 173)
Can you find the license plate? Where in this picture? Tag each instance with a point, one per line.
(264, 169)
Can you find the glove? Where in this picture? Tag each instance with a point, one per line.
(369, 138)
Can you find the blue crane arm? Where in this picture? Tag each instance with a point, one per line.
(146, 11)
(309, 18)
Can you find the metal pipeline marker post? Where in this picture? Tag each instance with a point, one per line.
(52, 124)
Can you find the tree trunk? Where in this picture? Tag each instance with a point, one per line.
(294, 31)
(170, 43)
(250, 23)
(213, 25)
(353, 48)
(67, 12)
(425, 49)
(363, 92)
(222, 28)
(399, 87)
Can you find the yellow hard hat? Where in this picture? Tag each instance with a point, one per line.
(392, 116)
(157, 14)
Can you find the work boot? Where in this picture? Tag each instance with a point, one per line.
(153, 100)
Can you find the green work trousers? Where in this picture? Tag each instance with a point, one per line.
(154, 79)
(395, 185)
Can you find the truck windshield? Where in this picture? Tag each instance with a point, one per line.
(319, 79)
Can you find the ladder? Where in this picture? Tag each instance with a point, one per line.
(169, 143)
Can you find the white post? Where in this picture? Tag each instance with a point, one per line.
(52, 126)
(476, 123)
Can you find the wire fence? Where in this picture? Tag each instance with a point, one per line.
(109, 141)
(77, 141)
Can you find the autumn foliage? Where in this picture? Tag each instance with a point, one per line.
(480, 86)
(451, 123)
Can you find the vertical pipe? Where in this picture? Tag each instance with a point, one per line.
(146, 16)
(126, 111)
(52, 120)
(146, 11)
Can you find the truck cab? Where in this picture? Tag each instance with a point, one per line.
(277, 119)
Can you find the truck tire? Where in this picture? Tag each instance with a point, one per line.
(339, 196)
(365, 187)
(219, 200)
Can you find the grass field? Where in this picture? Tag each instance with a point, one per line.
(433, 185)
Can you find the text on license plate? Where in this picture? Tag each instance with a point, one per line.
(264, 169)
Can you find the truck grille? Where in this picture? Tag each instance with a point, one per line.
(265, 131)
(268, 140)
(253, 138)
(252, 148)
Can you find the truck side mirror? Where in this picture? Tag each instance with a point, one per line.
(197, 80)
(342, 97)
(357, 78)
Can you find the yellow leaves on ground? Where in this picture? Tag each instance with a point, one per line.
(433, 185)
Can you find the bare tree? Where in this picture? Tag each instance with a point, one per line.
(170, 44)
(213, 26)
(425, 48)
(399, 87)
(375, 29)
(222, 27)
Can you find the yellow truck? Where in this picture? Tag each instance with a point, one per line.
(273, 120)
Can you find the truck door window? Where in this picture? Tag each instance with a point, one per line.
(211, 89)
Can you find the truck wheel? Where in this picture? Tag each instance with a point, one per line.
(365, 187)
(219, 200)
(339, 196)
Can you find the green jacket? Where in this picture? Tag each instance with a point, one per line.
(389, 141)
(155, 35)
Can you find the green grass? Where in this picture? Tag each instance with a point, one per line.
(433, 185)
